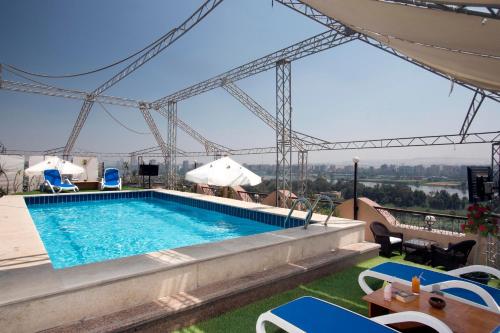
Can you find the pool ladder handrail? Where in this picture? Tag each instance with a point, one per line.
(319, 197)
(306, 202)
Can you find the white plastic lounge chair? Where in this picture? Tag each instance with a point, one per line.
(450, 282)
(52, 180)
(312, 315)
(111, 179)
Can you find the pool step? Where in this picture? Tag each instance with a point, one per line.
(187, 308)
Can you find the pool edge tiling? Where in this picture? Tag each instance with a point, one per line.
(28, 288)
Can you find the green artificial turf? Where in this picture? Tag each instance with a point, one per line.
(340, 288)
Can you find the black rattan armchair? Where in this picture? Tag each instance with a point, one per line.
(389, 241)
(453, 257)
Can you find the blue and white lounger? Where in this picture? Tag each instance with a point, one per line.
(52, 180)
(111, 179)
(312, 315)
(450, 282)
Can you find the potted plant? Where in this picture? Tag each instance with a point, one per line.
(480, 222)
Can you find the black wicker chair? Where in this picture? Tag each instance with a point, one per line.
(453, 257)
(389, 241)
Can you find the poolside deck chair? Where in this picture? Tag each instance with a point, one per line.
(53, 181)
(312, 315)
(111, 179)
(450, 282)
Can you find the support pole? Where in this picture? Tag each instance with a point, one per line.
(171, 145)
(495, 166)
(355, 194)
(283, 132)
(154, 129)
(302, 161)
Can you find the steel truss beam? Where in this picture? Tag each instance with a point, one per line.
(302, 168)
(161, 44)
(488, 11)
(495, 165)
(172, 143)
(211, 147)
(283, 131)
(297, 51)
(156, 133)
(317, 16)
(474, 106)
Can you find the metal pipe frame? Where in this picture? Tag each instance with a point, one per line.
(156, 133)
(315, 44)
(161, 44)
(283, 131)
(302, 168)
(488, 11)
(495, 165)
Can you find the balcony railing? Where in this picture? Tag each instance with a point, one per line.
(419, 220)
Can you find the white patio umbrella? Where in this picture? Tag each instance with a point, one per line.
(223, 172)
(64, 167)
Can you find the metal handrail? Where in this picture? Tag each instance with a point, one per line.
(306, 202)
(323, 197)
(419, 212)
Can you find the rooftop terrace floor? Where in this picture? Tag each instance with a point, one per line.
(340, 288)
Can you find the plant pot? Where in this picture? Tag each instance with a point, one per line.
(479, 277)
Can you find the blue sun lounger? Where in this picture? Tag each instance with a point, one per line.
(111, 179)
(312, 315)
(450, 282)
(53, 180)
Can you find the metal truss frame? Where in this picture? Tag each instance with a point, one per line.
(495, 164)
(317, 16)
(302, 169)
(283, 131)
(489, 11)
(172, 144)
(161, 44)
(156, 133)
(315, 44)
(475, 104)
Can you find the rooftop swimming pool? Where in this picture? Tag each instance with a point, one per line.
(79, 229)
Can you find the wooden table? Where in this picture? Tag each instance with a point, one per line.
(82, 185)
(460, 317)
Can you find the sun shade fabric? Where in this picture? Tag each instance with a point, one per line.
(64, 167)
(464, 47)
(223, 172)
(313, 315)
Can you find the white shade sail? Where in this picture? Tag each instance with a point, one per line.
(464, 47)
(223, 172)
(64, 167)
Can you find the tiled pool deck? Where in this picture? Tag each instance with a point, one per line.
(34, 296)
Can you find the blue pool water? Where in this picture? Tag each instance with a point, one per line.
(84, 232)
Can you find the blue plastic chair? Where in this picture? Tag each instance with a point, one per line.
(313, 315)
(53, 180)
(111, 179)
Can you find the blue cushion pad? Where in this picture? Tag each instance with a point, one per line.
(429, 277)
(316, 316)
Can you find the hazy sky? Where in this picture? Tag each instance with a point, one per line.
(350, 92)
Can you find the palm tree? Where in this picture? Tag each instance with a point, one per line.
(3, 172)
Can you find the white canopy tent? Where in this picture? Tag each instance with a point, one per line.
(64, 167)
(465, 47)
(223, 172)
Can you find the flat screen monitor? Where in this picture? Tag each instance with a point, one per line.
(148, 170)
(479, 180)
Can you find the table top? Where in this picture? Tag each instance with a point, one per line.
(419, 242)
(460, 317)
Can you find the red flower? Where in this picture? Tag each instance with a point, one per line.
(482, 228)
(477, 215)
(471, 222)
(469, 208)
(468, 215)
(462, 226)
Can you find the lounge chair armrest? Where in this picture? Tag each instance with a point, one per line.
(475, 268)
(491, 304)
(413, 316)
(439, 249)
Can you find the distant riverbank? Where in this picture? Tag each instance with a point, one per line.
(450, 187)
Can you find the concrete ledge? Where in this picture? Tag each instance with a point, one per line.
(184, 309)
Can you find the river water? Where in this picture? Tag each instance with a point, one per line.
(427, 188)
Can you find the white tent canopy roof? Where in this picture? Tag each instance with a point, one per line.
(465, 47)
(64, 167)
(223, 172)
